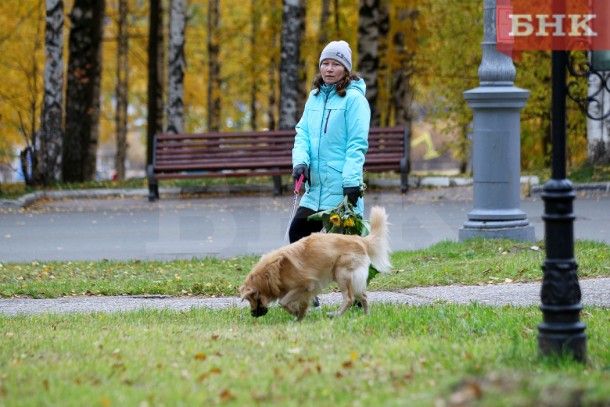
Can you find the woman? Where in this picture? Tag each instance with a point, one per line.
(331, 140)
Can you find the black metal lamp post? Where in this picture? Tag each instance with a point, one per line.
(561, 331)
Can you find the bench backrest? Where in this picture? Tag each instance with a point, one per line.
(262, 149)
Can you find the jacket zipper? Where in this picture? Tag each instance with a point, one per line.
(327, 117)
(325, 101)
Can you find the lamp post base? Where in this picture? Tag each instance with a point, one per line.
(497, 230)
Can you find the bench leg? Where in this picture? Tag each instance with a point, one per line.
(404, 175)
(153, 185)
(277, 185)
(153, 192)
(404, 183)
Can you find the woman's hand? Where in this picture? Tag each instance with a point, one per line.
(352, 193)
(301, 169)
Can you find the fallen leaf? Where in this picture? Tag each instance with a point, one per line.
(348, 365)
(466, 394)
(201, 356)
(226, 396)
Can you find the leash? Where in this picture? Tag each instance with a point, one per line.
(297, 187)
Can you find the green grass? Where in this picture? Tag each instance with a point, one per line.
(473, 262)
(396, 356)
(590, 173)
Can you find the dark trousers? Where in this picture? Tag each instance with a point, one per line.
(301, 227)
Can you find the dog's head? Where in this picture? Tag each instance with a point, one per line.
(261, 285)
(258, 304)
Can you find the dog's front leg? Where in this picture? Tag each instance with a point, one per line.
(293, 302)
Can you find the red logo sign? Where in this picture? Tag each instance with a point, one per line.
(552, 25)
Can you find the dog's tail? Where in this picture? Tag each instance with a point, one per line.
(378, 241)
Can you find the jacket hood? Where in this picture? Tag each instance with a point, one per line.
(359, 85)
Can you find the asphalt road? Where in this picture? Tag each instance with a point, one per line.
(227, 226)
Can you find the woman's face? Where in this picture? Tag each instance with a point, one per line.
(331, 71)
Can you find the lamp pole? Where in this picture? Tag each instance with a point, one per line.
(496, 157)
(561, 331)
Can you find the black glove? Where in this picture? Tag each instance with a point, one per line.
(301, 169)
(352, 193)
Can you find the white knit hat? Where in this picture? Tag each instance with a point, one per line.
(339, 51)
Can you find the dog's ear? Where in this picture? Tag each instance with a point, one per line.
(246, 292)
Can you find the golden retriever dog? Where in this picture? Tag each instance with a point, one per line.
(294, 274)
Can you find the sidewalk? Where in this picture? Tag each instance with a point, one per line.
(595, 292)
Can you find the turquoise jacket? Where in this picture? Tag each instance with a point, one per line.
(332, 139)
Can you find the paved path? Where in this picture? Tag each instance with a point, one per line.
(595, 292)
(221, 226)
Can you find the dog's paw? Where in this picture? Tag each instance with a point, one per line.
(291, 309)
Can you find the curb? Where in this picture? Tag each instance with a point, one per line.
(32, 198)
(594, 187)
(530, 182)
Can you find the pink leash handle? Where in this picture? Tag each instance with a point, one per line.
(297, 185)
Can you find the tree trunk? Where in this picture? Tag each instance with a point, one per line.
(122, 91)
(598, 131)
(302, 70)
(272, 73)
(368, 58)
(324, 17)
(83, 91)
(214, 80)
(175, 102)
(51, 132)
(383, 72)
(289, 65)
(403, 70)
(155, 76)
(256, 21)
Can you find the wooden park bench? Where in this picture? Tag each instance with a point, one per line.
(259, 153)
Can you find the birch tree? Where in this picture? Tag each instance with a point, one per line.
(289, 64)
(122, 91)
(598, 131)
(51, 132)
(368, 58)
(175, 101)
(83, 91)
